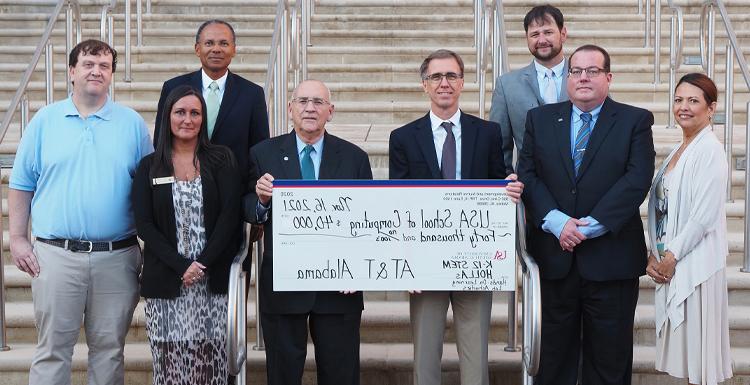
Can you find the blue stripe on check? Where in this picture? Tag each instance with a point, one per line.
(391, 183)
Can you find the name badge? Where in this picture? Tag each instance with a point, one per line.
(163, 180)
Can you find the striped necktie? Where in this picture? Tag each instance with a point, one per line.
(582, 139)
(448, 159)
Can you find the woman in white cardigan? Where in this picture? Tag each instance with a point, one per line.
(688, 242)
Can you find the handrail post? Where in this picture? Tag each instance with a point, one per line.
(111, 42)
(746, 257)
(310, 10)
(259, 341)
(482, 61)
(3, 336)
(128, 78)
(49, 71)
(672, 67)
(647, 25)
(139, 23)
(500, 48)
(296, 36)
(68, 42)
(495, 47)
(728, 111)
(285, 69)
(24, 112)
(657, 42)
(477, 18)
(305, 18)
(148, 7)
(711, 41)
(512, 345)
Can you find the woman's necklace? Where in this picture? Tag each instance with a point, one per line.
(185, 200)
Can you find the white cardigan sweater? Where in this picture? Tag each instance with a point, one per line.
(696, 223)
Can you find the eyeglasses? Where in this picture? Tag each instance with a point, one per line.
(436, 78)
(591, 72)
(317, 102)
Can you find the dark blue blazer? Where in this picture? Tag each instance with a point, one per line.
(242, 121)
(611, 184)
(411, 150)
(278, 157)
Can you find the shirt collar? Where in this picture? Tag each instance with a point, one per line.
(594, 113)
(221, 82)
(104, 113)
(558, 69)
(318, 146)
(436, 121)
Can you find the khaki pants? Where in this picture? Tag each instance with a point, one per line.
(471, 320)
(98, 289)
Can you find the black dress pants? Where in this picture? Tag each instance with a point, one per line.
(336, 341)
(588, 319)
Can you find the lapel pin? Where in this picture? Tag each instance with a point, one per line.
(559, 119)
(286, 158)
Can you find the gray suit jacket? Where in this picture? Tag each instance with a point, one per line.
(515, 94)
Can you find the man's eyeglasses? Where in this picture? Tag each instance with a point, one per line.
(436, 78)
(591, 72)
(317, 102)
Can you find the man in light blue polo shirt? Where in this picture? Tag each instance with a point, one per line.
(72, 173)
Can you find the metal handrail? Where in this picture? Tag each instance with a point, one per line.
(21, 98)
(657, 42)
(706, 38)
(675, 53)
(73, 9)
(676, 38)
(532, 301)
(107, 33)
(237, 311)
(746, 258)
(139, 23)
(732, 36)
(3, 336)
(647, 21)
(491, 43)
(128, 29)
(279, 59)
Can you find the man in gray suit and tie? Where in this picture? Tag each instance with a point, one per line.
(541, 82)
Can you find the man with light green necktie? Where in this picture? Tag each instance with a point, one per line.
(235, 107)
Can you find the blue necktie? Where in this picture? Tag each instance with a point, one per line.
(582, 139)
(306, 163)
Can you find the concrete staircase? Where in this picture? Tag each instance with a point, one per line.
(369, 52)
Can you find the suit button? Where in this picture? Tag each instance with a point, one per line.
(573, 191)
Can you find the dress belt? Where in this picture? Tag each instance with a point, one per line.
(89, 246)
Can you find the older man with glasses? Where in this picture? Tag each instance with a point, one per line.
(449, 144)
(308, 152)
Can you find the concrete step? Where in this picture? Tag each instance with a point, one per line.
(381, 364)
(382, 321)
(387, 320)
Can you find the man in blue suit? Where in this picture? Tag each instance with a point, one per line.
(587, 165)
(541, 82)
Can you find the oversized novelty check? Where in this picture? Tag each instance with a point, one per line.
(393, 235)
